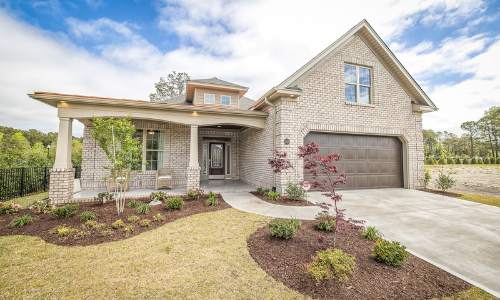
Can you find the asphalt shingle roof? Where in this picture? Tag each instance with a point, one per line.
(215, 80)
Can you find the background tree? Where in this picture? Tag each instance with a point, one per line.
(473, 132)
(430, 141)
(173, 85)
(489, 125)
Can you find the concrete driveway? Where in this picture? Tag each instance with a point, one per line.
(458, 236)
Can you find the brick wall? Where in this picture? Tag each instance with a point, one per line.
(61, 185)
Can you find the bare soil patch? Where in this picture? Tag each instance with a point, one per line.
(440, 192)
(472, 179)
(283, 200)
(106, 214)
(414, 279)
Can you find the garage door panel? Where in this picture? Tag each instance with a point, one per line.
(368, 161)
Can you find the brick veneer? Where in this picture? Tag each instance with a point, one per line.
(61, 185)
(193, 177)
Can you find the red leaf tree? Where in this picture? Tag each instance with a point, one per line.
(326, 177)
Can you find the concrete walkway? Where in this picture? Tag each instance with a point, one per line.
(459, 236)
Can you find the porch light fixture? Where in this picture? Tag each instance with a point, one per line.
(219, 126)
(151, 131)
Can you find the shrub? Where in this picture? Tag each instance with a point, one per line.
(89, 224)
(211, 194)
(64, 211)
(143, 209)
(260, 191)
(295, 191)
(465, 161)
(444, 180)
(212, 201)
(442, 161)
(100, 226)
(480, 161)
(81, 235)
(160, 196)
(273, 196)
(371, 233)
(458, 161)
(103, 196)
(174, 203)
(487, 161)
(427, 177)
(144, 223)
(195, 194)
(296, 223)
(42, 206)
(324, 222)
(105, 233)
(133, 219)
(158, 218)
(266, 192)
(62, 230)
(118, 224)
(391, 253)
(129, 229)
(331, 264)
(450, 161)
(9, 208)
(283, 229)
(21, 221)
(134, 203)
(432, 161)
(88, 215)
(498, 160)
(473, 161)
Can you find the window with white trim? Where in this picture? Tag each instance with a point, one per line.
(225, 100)
(152, 150)
(357, 84)
(209, 99)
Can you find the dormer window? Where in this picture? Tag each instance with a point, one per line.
(209, 99)
(225, 100)
(357, 84)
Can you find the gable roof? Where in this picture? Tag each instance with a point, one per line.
(181, 99)
(378, 47)
(217, 81)
(245, 103)
(213, 83)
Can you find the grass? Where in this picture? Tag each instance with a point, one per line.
(473, 293)
(203, 256)
(489, 200)
(466, 165)
(25, 202)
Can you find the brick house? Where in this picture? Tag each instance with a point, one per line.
(354, 98)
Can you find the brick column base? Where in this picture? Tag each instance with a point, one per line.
(61, 185)
(193, 178)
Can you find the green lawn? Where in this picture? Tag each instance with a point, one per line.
(203, 256)
(495, 201)
(25, 202)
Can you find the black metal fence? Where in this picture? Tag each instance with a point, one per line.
(20, 182)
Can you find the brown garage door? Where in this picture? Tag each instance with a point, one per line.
(368, 161)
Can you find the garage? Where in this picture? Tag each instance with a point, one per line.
(368, 161)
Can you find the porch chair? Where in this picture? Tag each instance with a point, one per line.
(111, 182)
(164, 178)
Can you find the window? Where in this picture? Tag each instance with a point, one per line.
(209, 99)
(225, 100)
(357, 84)
(152, 150)
(204, 163)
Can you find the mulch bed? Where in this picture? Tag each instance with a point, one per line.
(439, 192)
(107, 214)
(283, 200)
(414, 279)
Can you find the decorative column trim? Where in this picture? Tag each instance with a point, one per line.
(64, 139)
(193, 147)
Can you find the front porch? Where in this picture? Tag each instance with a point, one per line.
(216, 186)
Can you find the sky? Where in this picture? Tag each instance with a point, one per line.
(119, 49)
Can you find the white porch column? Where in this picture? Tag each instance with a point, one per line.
(193, 147)
(64, 139)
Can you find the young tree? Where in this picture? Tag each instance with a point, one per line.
(115, 137)
(174, 85)
(324, 178)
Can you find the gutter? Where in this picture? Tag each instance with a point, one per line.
(274, 137)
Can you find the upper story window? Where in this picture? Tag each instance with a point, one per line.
(225, 100)
(209, 99)
(357, 84)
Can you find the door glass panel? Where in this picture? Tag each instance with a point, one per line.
(216, 155)
(205, 156)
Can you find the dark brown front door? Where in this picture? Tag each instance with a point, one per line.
(368, 161)
(216, 162)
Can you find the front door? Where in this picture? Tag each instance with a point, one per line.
(216, 162)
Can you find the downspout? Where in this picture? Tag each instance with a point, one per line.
(274, 138)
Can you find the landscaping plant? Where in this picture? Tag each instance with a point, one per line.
(442, 161)
(174, 203)
(273, 196)
(160, 196)
(284, 229)
(444, 180)
(9, 208)
(103, 197)
(143, 209)
(144, 223)
(324, 222)
(450, 161)
(64, 211)
(295, 191)
(371, 233)
(81, 234)
(21, 221)
(322, 172)
(391, 253)
(62, 230)
(195, 194)
(89, 224)
(88, 216)
(427, 177)
(42, 206)
(158, 218)
(133, 219)
(212, 201)
(458, 161)
(116, 138)
(260, 191)
(431, 161)
(129, 229)
(134, 203)
(331, 264)
(118, 224)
